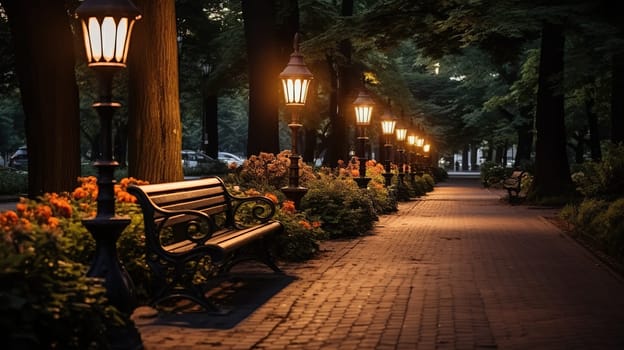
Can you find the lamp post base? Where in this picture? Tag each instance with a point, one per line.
(118, 284)
(362, 182)
(294, 194)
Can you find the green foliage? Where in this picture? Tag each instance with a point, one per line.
(492, 173)
(300, 240)
(604, 179)
(13, 182)
(342, 207)
(47, 301)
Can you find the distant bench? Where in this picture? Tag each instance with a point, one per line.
(196, 226)
(514, 184)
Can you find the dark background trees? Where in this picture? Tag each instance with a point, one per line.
(485, 90)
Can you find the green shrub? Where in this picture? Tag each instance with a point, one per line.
(604, 179)
(492, 174)
(300, 240)
(588, 212)
(47, 300)
(13, 182)
(614, 234)
(342, 207)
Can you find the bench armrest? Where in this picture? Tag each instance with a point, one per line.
(250, 211)
(198, 229)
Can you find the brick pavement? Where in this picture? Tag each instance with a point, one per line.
(457, 269)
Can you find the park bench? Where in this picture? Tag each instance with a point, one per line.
(513, 184)
(196, 226)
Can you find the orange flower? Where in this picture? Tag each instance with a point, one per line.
(316, 224)
(289, 207)
(43, 213)
(53, 222)
(21, 207)
(272, 197)
(305, 224)
(8, 218)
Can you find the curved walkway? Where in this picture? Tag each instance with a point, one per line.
(456, 269)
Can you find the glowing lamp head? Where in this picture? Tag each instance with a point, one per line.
(106, 28)
(426, 148)
(420, 142)
(296, 78)
(388, 123)
(411, 139)
(363, 105)
(401, 134)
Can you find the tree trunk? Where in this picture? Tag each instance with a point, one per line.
(617, 99)
(338, 146)
(594, 136)
(552, 172)
(330, 158)
(154, 127)
(262, 47)
(465, 160)
(525, 139)
(44, 56)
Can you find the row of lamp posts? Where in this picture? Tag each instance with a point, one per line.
(296, 79)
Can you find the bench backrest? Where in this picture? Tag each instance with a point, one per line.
(208, 196)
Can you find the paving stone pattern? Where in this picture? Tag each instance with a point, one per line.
(457, 269)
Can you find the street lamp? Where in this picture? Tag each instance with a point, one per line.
(106, 27)
(411, 141)
(296, 80)
(363, 106)
(401, 136)
(206, 69)
(388, 124)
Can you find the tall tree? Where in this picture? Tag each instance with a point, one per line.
(154, 128)
(44, 59)
(262, 46)
(552, 172)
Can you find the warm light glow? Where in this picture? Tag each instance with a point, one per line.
(106, 43)
(363, 115)
(95, 39)
(387, 126)
(426, 148)
(401, 134)
(295, 91)
(363, 105)
(122, 36)
(108, 38)
(411, 140)
(420, 142)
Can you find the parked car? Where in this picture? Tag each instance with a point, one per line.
(19, 159)
(193, 159)
(230, 158)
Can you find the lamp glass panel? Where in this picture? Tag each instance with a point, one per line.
(363, 114)
(387, 126)
(411, 140)
(295, 90)
(401, 134)
(426, 147)
(87, 42)
(122, 32)
(420, 142)
(109, 34)
(95, 39)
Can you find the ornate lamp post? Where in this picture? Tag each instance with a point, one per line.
(401, 136)
(411, 142)
(206, 69)
(106, 27)
(426, 149)
(388, 124)
(296, 80)
(420, 142)
(363, 105)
